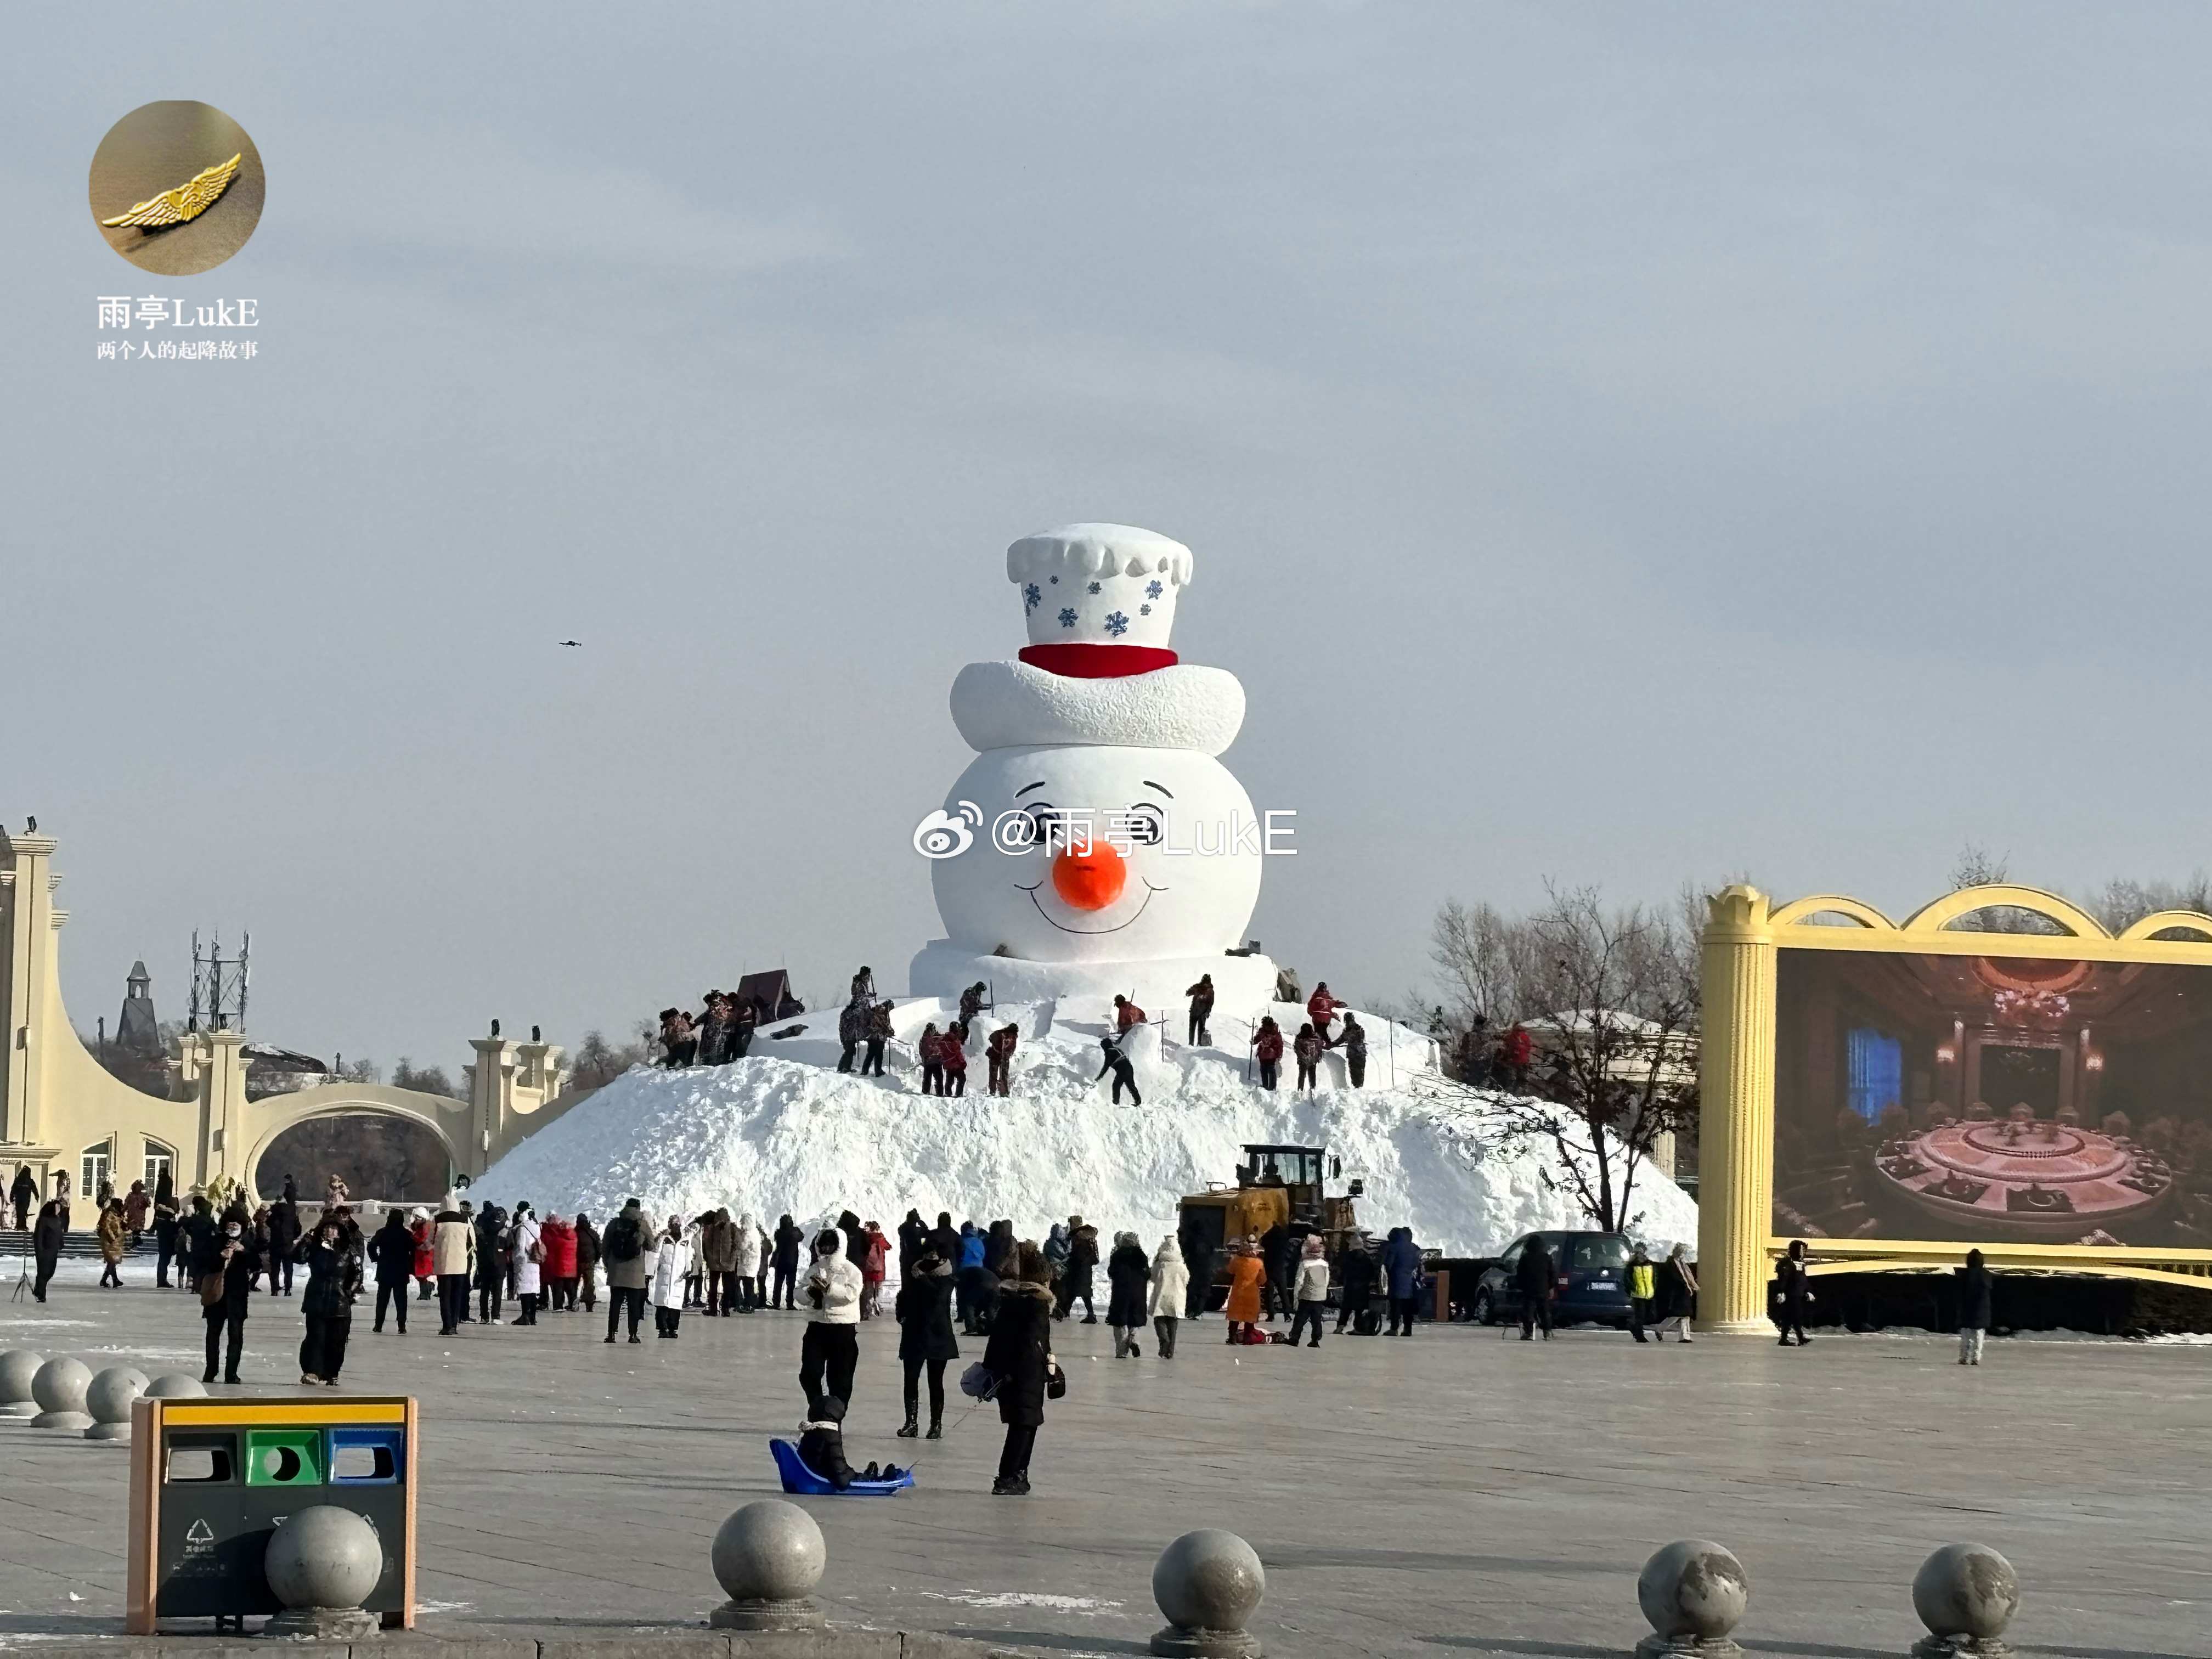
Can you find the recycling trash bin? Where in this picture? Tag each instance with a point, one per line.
(211, 1482)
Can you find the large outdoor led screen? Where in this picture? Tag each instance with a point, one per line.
(1992, 1099)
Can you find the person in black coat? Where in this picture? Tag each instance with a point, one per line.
(1198, 1260)
(1793, 1291)
(1075, 1279)
(47, 1233)
(194, 1234)
(283, 1239)
(1974, 1308)
(491, 1264)
(333, 1276)
(1128, 1279)
(22, 1194)
(943, 1242)
(785, 1263)
(1275, 1257)
(1355, 1286)
(924, 1310)
(1533, 1276)
(233, 1255)
(587, 1261)
(913, 1235)
(392, 1249)
(1019, 1359)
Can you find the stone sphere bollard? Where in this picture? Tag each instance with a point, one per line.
(59, 1387)
(1965, 1593)
(1207, 1582)
(768, 1557)
(176, 1385)
(322, 1563)
(17, 1367)
(108, 1399)
(1694, 1592)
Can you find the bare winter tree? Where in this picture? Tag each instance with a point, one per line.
(2121, 904)
(1612, 997)
(1484, 961)
(427, 1079)
(598, 1062)
(2118, 905)
(1976, 866)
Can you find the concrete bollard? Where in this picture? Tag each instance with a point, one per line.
(107, 1400)
(1207, 1583)
(768, 1558)
(321, 1563)
(1694, 1592)
(1965, 1593)
(176, 1385)
(17, 1367)
(59, 1387)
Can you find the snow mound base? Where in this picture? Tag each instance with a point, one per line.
(783, 1131)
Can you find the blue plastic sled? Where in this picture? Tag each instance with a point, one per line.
(798, 1477)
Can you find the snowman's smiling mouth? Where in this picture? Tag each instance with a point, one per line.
(1032, 891)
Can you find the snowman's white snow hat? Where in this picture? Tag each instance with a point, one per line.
(1100, 600)
(1107, 589)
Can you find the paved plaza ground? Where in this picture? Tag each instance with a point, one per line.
(1454, 1493)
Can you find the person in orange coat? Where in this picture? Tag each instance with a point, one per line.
(1246, 1274)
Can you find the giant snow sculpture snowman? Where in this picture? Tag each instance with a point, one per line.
(1101, 847)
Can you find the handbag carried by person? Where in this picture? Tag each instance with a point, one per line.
(1055, 1382)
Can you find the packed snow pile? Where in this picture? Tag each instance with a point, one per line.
(783, 1131)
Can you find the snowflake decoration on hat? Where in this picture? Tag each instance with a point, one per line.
(1144, 611)
(1067, 617)
(1094, 587)
(1117, 623)
(1152, 591)
(1032, 596)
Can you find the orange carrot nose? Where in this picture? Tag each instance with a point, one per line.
(1090, 877)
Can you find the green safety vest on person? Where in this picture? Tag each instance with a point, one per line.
(1639, 1280)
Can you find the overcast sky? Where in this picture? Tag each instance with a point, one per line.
(1620, 445)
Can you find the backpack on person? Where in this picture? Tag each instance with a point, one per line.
(621, 1243)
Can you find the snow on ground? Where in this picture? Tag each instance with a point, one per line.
(782, 1130)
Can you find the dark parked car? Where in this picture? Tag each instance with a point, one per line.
(1593, 1280)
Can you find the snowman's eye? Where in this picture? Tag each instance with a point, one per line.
(1142, 824)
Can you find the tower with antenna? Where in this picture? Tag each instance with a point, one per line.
(219, 986)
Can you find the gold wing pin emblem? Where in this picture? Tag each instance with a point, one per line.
(186, 201)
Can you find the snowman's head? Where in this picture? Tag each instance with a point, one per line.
(1092, 853)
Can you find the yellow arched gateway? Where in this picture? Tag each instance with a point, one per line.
(69, 1121)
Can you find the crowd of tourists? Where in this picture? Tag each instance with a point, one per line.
(723, 1032)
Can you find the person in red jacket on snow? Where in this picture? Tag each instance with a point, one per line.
(1126, 1014)
(952, 1056)
(1268, 1049)
(1321, 1008)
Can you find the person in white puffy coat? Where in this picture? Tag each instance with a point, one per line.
(1170, 1284)
(529, 1257)
(829, 1296)
(670, 1266)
